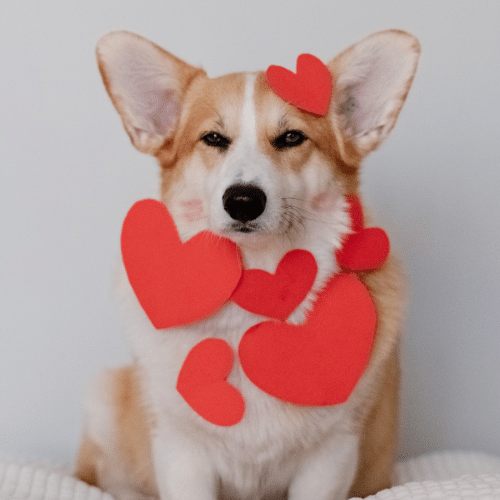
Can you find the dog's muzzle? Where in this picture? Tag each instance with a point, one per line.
(244, 202)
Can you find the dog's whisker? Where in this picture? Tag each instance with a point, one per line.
(299, 214)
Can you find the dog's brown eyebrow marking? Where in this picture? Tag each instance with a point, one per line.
(283, 122)
(219, 126)
(220, 123)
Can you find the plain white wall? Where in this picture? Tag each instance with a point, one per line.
(69, 174)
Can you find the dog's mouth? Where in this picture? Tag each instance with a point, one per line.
(245, 227)
(288, 219)
(247, 233)
(254, 216)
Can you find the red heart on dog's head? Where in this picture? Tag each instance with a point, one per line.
(320, 362)
(277, 295)
(176, 283)
(202, 383)
(310, 89)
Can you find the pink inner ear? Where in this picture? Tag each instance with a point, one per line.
(165, 111)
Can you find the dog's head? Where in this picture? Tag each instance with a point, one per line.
(238, 160)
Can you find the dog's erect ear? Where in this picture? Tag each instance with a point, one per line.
(146, 85)
(372, 80)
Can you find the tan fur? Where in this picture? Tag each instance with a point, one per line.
(89, 455)
(380, 418)
(133, 428)
(379, 438)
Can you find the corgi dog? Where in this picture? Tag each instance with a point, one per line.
(239, 161)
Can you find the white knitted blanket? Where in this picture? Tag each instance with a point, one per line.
(440, 476)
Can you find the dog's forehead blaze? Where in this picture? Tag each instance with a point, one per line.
(215, 104)
(218, 104)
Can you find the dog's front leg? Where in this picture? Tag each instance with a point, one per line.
(328, 471)
(183, 471)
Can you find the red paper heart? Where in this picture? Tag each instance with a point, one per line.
(277, 295)
(176, 283)
(365, 249)
(202, 383)
(320, 362)
(355, 210)
(310, 89)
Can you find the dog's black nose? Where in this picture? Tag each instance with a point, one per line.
(244, 202)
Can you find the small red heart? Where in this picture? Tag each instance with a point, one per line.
(366, 249)
(355, 210)
(277, 295)
(176, 283)
(202, 383)
(320, 362)
(310, 89)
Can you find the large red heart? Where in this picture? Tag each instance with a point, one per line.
(320, 362)
(202, 383)
(277, 295)
(365, 249)
(176, 283)
(310, 89)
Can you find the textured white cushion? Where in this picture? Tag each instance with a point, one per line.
(28, 480)
(445, 476)
(440, 476)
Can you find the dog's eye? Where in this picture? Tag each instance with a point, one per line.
(216, 140)
(289, 139)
